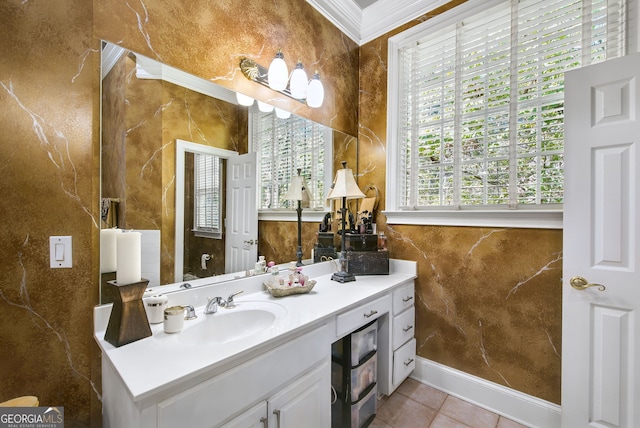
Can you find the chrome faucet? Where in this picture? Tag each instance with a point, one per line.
(213, 303)
(190, 313)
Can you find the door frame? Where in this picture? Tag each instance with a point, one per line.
(183, 147)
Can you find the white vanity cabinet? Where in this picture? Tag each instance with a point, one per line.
(303, 403)
(277, 378)
(403, 343)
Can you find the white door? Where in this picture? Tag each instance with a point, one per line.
(601, 325)
(241, 250)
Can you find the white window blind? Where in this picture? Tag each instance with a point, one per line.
(481, 102)
(207, 195)
(283, 146)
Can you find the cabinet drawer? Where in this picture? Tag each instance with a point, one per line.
(404, 327)
(404, 361)
(403, 298)
(355, 318)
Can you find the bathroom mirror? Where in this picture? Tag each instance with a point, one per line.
(147, 106)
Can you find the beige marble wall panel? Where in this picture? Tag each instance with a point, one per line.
(208, 39)
(49, 164)
(488, 300)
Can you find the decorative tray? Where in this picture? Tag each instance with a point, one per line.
(286, 290)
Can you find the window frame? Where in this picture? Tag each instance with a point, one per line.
(201, 232)
(290, 214)
(530, 216)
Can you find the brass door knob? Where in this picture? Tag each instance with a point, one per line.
(579, 283)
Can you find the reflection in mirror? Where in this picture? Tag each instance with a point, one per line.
(200, 204)
(146, 107)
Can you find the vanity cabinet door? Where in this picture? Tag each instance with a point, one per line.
(303, 403)
(255, 417)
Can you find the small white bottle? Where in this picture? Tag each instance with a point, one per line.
(261, 265)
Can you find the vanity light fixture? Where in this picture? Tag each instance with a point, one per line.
(278, 73)
(344, 187)
(264, 107)
(299, 82)
(298, 192)
(244, 100)
(276, 77)
(282, 114)
(315, 92)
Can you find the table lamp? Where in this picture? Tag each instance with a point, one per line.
(344, 187)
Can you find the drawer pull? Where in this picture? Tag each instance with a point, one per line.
(407, 328)
(407, 299)
(265, 422)
(370, 314)
(277, 413)
(409, 361)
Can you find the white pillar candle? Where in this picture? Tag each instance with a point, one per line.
(108, 252)
(129, 258)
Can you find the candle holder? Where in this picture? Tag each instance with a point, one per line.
(128, 321)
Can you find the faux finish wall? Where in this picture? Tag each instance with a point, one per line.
(49, 156)
(489, 300)
(49, 162)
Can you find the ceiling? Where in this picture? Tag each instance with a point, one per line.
(364, 20)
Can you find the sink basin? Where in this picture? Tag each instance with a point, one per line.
(228, 325)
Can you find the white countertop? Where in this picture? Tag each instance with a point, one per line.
(162, 361)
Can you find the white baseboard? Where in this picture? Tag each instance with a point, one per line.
(522, 408)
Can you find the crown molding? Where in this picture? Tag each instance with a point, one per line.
(147, 68)
(346, 15)
(362, 26)
(110, 56)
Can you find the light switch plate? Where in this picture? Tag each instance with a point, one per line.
(60, 252)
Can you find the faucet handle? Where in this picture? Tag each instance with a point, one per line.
(190, 313)
(230, 303)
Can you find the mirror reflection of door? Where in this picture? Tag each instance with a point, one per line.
(242, 213)
(193, 244)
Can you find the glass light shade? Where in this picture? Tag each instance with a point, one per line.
(299, 82)
(315, 92)
(264, 107)
(345, 186)
(244, 100)
(278, 74)
(282, 114)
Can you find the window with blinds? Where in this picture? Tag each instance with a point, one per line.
(283, 146)
(481, 102)
(207, 195)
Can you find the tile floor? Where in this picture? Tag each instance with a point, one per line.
(415, 405)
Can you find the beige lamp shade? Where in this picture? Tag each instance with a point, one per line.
(298, 191)
(344, 185)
